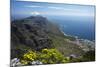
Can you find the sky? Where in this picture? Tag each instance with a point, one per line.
(79, 19)
(27, 8)
(85, 2)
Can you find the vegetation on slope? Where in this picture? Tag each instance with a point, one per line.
(37, 39)
(46, 56)
(64, 46)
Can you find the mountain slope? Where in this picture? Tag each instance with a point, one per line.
(36, 33)
(29, 33)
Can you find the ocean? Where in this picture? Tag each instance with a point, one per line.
(84, 29)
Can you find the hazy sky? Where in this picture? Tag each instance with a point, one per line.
(20, 8)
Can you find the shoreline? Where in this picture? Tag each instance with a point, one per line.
(76, 36)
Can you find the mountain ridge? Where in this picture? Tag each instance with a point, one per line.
(37, 32)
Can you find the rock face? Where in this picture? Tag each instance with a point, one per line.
(29, 32)
(14, 62)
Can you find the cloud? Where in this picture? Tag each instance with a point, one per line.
(54, 7)
(59, 8)
(50, 7)
(34, 6)
(59, 11)
(35, 13)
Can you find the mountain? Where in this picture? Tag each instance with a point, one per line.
(29, 33)
(37, 33)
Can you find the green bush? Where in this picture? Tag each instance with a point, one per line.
(52, 56)
(28, 57)
(46, 56)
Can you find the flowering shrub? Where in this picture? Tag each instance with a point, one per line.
(52, 56)
(29, 57)
(46, 56)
